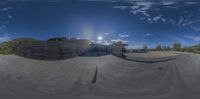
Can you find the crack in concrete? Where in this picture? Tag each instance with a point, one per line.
(96, 71)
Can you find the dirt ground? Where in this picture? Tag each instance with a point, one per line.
(153, 54)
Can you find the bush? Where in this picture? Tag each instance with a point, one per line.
(7, 48)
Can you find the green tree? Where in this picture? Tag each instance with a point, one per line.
(145, 48)
(58, 39)
(177, 46)
(197, 47)
(168, 48)
(158, 48)
(164, 48)
(9, 46)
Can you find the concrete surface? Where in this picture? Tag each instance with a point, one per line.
(116, 78)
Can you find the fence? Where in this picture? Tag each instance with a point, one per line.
(52, 50)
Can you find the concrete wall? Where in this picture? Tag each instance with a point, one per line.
(115, 48)
(60, 50)
(52, 50)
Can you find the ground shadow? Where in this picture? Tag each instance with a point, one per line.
(87, 54)
(95, 54)
(44, 59)
(149, 60)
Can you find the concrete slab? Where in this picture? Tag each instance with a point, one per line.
(116, 78)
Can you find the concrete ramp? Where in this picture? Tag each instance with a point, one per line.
(21, 76)
(122, 78)
(115, 78)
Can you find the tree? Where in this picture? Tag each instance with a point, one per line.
(145, 48)
(158, 48)
(58, 39)
(9, 46)
(23, 40)
(177, 46)
(168, 48)
(188, 49)
(164, 48)
(196, 47)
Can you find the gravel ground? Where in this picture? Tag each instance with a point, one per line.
(115, 78)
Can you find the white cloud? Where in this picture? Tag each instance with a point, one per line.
(187, 23)
(146, 9)
(191, 2)
(9, 16)
(134, 12)
(120, 7)
(195, 38)
(102, 42)
(146, 4)
(123, 35)
(106, 33)
(141, 7)
(157, 18)
(6, 9)
(168, 3)
(4, 38)
(134, 7)
(181, 19)
(196, 28)
(147, 35)
(118, 40)
(163, 19)
(134, 47)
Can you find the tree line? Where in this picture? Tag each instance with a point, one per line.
(175, 47)
(9, 46)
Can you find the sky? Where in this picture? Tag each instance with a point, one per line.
(136, 22)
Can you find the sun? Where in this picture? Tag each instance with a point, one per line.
(100, 38)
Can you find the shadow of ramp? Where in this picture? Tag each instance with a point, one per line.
(42, 58)
(149, 60)
(61, 57)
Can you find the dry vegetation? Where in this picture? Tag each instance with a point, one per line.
(153, 54)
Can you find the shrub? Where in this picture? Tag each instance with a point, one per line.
(7, 48)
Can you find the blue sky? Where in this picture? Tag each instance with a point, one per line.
(136, 22)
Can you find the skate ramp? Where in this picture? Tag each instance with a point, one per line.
(115, 78)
